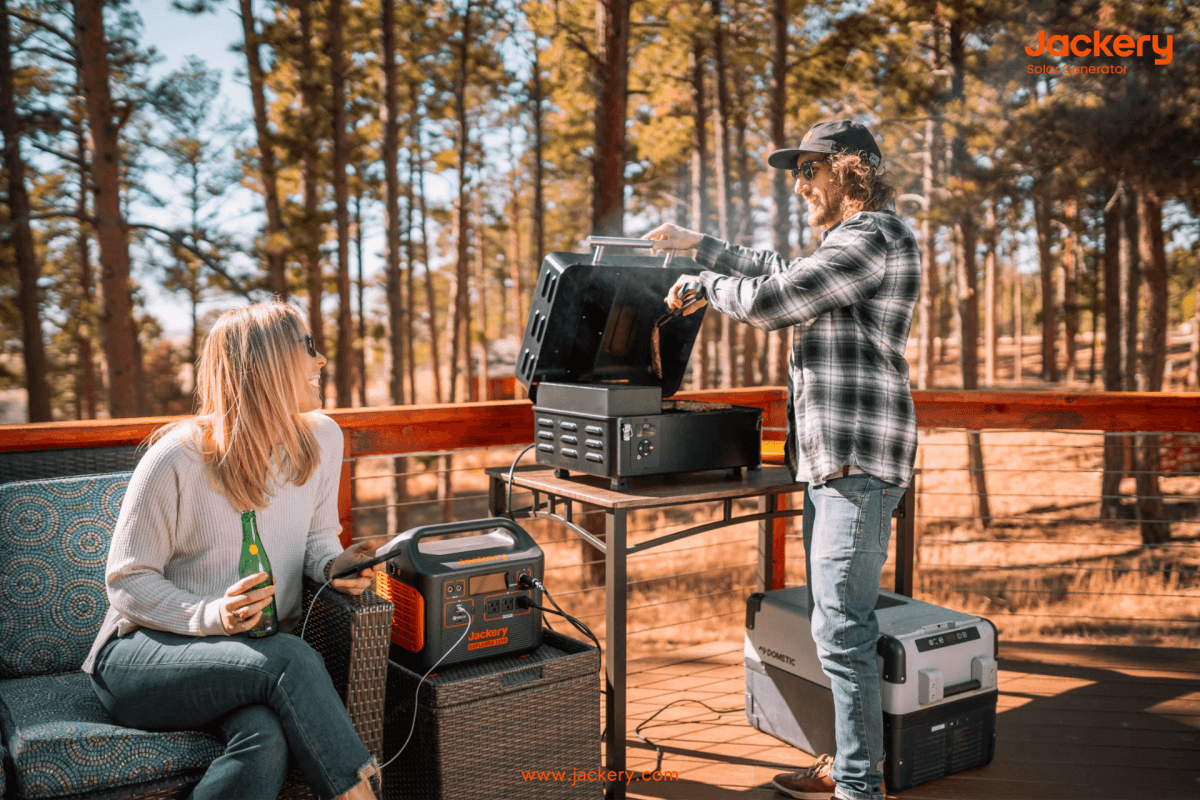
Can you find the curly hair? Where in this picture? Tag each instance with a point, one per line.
(864, 188)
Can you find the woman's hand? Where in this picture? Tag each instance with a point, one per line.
(242, 604)
(673, 237)
(361, 551)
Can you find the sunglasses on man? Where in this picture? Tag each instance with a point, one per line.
(806, 169)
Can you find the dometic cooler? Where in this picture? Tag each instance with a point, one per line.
(938, 670)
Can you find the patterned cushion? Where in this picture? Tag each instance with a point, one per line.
(54, 537)
(62, 742)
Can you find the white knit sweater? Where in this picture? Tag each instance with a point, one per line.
(177, 542)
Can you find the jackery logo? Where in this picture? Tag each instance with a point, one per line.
(1112, 45)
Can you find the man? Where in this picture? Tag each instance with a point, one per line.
(852, 432)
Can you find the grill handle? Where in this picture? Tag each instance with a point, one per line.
(600, 242)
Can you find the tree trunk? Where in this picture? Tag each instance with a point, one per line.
(968, 315)
(612, 93)
(989, 299)
(86, 390)
(37, 388)
(780, 188)
(360, 339)
(699, 195)
(391, 180)
(781, 222)
(515, 313)
(1152, 254)
(1131, 280)
(276, 244)
(430, 296)
(344, 373)
(126, 394)
(539, 203)
(482, 296)
(460, 339)
(1068, 271)
(968, 302)
(1041, 213)
(927, 325)
(310, 244)
(1114, 443)
(1151, 251)
(410, 301)
(1018, 306)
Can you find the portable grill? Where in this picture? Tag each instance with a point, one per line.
(599, 357)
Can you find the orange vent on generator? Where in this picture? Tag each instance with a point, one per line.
(408, 616)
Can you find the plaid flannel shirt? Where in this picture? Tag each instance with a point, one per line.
(851, 306)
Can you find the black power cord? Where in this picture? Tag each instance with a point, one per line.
(646, 722)
(508, 498)
(529, 582)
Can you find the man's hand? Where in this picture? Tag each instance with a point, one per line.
(673, 237)
(242, 604)
(685, 290)
(362, 551)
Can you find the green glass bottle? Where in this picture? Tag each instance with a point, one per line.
(254, 560)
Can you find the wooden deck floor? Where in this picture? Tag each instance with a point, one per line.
(1073, 721)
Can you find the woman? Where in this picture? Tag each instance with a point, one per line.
(172, 652)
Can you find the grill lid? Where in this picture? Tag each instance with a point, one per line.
(592, 323)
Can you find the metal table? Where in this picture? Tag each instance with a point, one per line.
(556, 499)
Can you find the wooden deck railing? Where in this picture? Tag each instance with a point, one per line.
(407, 430)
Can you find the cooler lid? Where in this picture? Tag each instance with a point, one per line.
(592, 323)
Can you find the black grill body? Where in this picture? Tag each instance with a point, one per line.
(626, 446)
(599, 406)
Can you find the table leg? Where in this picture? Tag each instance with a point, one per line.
(766, 543)
(496, 497)
(906, 542)
(616, 607)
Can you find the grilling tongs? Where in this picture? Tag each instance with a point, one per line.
(695, 296)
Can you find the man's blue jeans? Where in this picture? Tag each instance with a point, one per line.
(847, 527)
(266, 696)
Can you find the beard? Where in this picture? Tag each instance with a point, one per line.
(824, 209)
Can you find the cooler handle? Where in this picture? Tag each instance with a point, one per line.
(600, 242)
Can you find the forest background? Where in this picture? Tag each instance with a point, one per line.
(467, 139)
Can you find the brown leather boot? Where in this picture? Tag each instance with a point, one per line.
(813, 783)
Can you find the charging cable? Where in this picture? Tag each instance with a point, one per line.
(417, 693)
(508, 499)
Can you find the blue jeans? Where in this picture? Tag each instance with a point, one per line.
(847, 527)
(265, 696)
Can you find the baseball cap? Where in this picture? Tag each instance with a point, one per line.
(839, 136)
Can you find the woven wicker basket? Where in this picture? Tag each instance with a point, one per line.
(480, 724)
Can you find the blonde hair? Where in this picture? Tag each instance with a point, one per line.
(864, 188)
(250, 380)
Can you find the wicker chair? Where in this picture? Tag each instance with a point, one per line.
(57, 739)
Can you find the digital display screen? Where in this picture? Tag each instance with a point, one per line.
(946, 639)
(492, 582)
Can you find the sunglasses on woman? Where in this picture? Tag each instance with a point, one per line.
(806, 169)
(310, 344)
